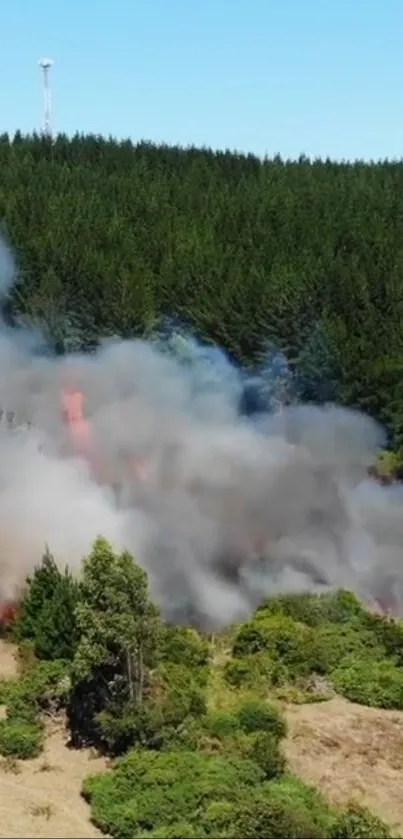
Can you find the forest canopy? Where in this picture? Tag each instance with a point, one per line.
(304, 257)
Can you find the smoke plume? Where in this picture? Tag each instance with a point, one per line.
(221, 507)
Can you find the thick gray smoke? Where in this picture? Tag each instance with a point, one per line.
(220, 509)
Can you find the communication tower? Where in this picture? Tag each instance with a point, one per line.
(45, 65)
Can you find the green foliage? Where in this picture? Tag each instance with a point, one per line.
(259, 670)
(314, 609)
(184, 646)
(148, 790)
(291, 643)
(389, 466)
(336, 641)
(179, 693)
(378, 684)
(284, 807)
(304, 256)
(291, 638)
(45, 686)
(358, 823)
(47, 612)
(388, 635)
(118, 630)
(222, 724)
(19, 738)
(266, 753)
(255, 715)
(117, 623)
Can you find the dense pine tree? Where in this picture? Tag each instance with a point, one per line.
(306, 257)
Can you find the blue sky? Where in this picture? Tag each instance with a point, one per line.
(314, 77)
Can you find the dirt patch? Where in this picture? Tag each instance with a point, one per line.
(351, 753)
(8, 660)
(41, 798)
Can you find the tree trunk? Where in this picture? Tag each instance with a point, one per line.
(130, 679)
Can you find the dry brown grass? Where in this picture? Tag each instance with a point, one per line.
(8, 660)
(351, 753)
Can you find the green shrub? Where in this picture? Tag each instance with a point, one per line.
(359, 823)
(222, 724)
(184, 646)
(148, 790)
(218, 818)
(179, 830)
(20, 738)
(46, 683)
(343, 606)
(285, 640)
(256, 715)
(304, 608)
(286, 807)
(273, 819)
(336, 641)
(256, 671)
(21, 731)
(187, 735)
(177, 693)
(314, 609)
(389, 635)
(282, 808)
(266, 753)
(378, 684)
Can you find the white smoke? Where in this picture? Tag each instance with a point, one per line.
(231, 509)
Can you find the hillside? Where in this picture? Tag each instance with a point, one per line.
(348, 751)
(114, 721)
(305, 257)
(167, 732)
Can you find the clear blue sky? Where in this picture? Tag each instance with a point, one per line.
(317, 77)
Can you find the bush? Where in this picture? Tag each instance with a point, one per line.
(266, 753)
(177, 694)
(378, 684)
(274, 820)
(148, 790)
(337, 641)
(222, 724)
(254, 671)
(184, 646)
(314, 609)
(359, 823)
(255, 715)
(20, 738)
(286, 641)
(389, 635)
(283, 808)
(43, 685)
(21, 731)
(179, 830)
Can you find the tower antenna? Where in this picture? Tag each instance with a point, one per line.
(45, 65)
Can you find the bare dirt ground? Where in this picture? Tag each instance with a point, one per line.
(40, 798)
(8, 662)
(350, 752)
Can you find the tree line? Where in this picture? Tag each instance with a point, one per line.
(305, 256)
